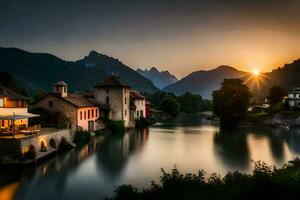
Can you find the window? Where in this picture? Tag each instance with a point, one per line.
(93, 113)
(80, 115)
(89, 114)
(125, 100)
(107, 100)
(125, 112)
(137, 113)
(3, 124)
(57, 89)
(142, 113)
(1, 102)
(84, 114)
(50, 103)
(65, 89)
(106, 91)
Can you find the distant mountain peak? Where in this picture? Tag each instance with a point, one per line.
(160, 79)
(203, 82)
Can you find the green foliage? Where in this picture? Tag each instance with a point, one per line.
(82, 137)
(170, 106)
(231, 102)
(190, 103)
(265, 181)
(276, 94)
(142, 122)
(117, 127)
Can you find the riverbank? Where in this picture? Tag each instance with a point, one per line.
(264, 182)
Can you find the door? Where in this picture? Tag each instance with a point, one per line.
(91, 125)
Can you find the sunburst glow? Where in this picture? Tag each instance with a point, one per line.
(256, 72)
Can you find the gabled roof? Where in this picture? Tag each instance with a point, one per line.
(112, 81)
(5, 92)
(136, 95)
(61, 83)
(79, 100)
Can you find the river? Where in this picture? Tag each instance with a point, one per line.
(93, 171)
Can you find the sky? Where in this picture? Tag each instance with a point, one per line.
(177, 35)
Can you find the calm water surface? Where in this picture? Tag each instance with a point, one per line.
(94, 171)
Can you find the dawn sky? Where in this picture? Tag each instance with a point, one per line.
(179, 36)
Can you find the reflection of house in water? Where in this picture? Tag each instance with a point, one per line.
(115, 151)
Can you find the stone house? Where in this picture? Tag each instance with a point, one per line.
(82, 114)
(113, 97)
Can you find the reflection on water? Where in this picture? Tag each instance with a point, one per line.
(93, 171)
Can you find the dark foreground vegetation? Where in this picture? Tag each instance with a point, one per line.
(265, 182)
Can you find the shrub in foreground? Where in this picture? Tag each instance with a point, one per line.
(265, 182)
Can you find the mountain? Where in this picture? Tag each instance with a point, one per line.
(159, 79)
(38, 71)
(204, 82)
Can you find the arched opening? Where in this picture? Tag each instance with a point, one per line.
(52, 143)
(30, 153)
(43, 146)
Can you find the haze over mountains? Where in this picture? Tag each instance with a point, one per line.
(204, 82)
(38, 71)
(160, 79)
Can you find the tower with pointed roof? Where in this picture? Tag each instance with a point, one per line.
(61, 88)
(113, 94)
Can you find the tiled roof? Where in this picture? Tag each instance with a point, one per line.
(79, 100)
(61, 83)
(5, 92)
(136, 95)
(112, 81)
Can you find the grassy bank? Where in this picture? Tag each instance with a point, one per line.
(265, 182)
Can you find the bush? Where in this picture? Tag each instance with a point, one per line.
(117, 126)
(265, 182)
(82, 137)
(142, 123)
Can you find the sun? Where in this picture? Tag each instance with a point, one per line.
(255, 72)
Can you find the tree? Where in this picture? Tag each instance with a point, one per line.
(276, 94)
(170, 106)
(231, 102)
(192, 103)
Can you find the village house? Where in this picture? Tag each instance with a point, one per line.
(82, 114)
(293, 98)
(113, 96)
(118, 102)
(140, 104)
(13, 111)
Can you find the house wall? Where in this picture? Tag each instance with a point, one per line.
(119, 101)
(140, 108)
(84, 115)
(59, 105)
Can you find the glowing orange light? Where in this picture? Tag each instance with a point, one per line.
(256, 72)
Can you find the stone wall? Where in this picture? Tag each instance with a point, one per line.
(119, 106)
(17, 146)
(59, 105)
